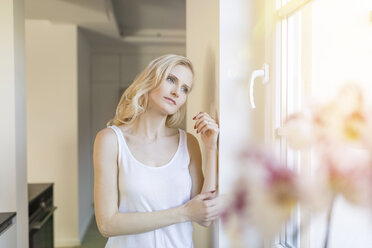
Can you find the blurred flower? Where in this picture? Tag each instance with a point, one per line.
(339, 135)
(343, 120)
(274, 199)
(348, 173)
(299, 130)
(264, 194)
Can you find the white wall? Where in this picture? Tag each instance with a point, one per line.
(85, 170)
(203, 49)
(8, 109)
(52, 119)
(13, 177)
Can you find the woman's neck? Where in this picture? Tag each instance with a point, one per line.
(150, 125)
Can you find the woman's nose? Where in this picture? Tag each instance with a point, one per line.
(174, 93)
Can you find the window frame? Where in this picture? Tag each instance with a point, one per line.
(277, 54)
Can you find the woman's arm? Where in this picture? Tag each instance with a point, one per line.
(196, 173)
(201, 184)
(112, 223)
(209, 131)
(210, 171)
(195, 166)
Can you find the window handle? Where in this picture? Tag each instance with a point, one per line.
(264, 72)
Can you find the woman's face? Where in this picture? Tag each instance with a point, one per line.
(172, 93)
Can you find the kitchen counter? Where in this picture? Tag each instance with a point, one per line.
(6, 220)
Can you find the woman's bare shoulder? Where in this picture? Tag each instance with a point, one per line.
(106, 135)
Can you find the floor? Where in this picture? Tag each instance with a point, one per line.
(92, 239)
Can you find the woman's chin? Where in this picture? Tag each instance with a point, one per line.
(171, 112)
(167, 111)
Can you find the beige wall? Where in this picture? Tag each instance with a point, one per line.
(202, 48)
(52, 119)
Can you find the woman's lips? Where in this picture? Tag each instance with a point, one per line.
(170, 100)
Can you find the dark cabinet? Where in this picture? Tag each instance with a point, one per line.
(41, 210)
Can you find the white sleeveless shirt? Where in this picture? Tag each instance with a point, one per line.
(144, 188)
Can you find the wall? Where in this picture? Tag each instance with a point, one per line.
(8, 109)
(202, 48)
(52, 119)
(85, 170)
(13, 177)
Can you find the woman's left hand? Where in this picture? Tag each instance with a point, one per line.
(208, 129)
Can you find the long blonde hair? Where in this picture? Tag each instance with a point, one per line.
(134, 100)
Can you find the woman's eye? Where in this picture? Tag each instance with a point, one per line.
(170, 79)
(185, 90)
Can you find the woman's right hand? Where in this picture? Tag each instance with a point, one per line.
(203, 208)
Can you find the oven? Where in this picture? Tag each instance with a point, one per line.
(41, 209)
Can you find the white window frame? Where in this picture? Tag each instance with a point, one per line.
(278, 105)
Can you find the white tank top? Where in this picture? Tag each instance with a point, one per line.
(144, 188)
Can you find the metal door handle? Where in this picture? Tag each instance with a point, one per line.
(264, 72)
(39, 224)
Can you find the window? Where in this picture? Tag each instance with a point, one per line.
(290, 82)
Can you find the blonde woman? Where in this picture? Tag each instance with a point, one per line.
(149, 184)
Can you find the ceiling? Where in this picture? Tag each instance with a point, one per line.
(134, 15)
(120, 19)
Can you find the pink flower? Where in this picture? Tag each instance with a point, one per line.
(299, 130)
(342, 120)
(340, 135)
(264, 194)
(348, 172)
